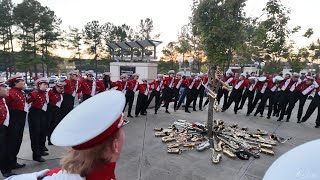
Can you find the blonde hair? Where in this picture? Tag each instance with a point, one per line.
(82, 162)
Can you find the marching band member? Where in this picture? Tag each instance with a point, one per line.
(288, 87)
(278, 94)
(228, 79)
(196, 89)
(315, 103)
(94, 153)
(132, 87)
(88, 86)
(142, 100)
(54, 107)
(5, 167)
(157, 86)
(236, 93)
(38, 125)
(261, 87)
(70, 95)
(18, 108)
(122, 83)
(190, 83)
(105, 84)
(167, 90)
(205, 82)
(178, 82)
(251, 85)
(273, 84)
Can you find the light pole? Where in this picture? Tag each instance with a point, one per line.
(190, 60)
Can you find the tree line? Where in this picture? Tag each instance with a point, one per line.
(30, 33)
(220, 31)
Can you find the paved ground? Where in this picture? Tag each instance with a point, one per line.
(145, 158)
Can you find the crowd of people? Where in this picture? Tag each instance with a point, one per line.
(45, 107)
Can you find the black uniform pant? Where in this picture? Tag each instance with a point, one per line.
(85, 97)
(201, 95)
(155, 94)
(257, 98)
(189, 94)
(268, 95)
(250, 96)
(4, 150)
(244, 98)
(276, 106)
(315, 103)
(67, 104)
(38, 131)
(176, 93)
(141, 104)
(225, 93)
(15, 132)
(53, 119)
(294, 97)
(129, 100)
(195, 94)
(166, 97)
(284, 101)
(235, 97)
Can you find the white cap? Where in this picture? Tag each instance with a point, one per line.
(135, 74)
(278, 78)
(2, 82)
(160, 75)
(105, 119)
(73, 72)
(289, 73)
(180, 73)
(15, 78)
(107, 74)
(42, 80)
(301, 162)
(296, 74)
(243, 74)
(90, 72)
(310, 78)
(60, 83)
(124, 76)
(262, 79)
(252, 78)
(171, 72)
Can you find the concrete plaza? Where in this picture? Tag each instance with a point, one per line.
(144, 156)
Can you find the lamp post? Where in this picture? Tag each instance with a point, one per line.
(190, 60)
(180, 61)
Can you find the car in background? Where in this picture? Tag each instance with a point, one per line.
(62, 78)
(53, 79)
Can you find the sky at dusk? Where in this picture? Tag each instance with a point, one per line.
(169, 15)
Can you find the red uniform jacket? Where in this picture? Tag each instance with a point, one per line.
(144, 89)
(3, 111)
(305, 89)
(197, 83)
(205, 80)
(167, 81)
(86, 86)
(287, 84)
(121, 85)
(37, 99)
(133, 85)
(228, 79)
(155, 84)
(238, 81)
(70, 87)
(55, 98)
(101, 87)
(16, 100)
(188, 83)
(176, 82)
(318, 89)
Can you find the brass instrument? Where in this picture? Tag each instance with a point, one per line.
(224, 85)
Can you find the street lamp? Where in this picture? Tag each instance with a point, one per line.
(190, 60)
(180, 61)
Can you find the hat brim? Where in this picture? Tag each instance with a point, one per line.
(89, 119)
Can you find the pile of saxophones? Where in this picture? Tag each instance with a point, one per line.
(229, 140)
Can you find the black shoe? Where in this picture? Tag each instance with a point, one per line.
(194, 110)
(268, 117)
(255, 114)
(261, 115)
(143, 114)
(39, 159)
(167, 112)
(50, 143)
(277, 115)
(200, 109)
(6, 175)
(44, 154)
(155, 112)
(45, 149)
(240, 108)
(175, 110)
(18, 166)
(223, 110)
(247, 114)
(187, 111)
(279, 120)
(287, 120)
(317, 126)
(235, 112)
(136, 115)
(273, 114)
(298, 121)
(129, 116)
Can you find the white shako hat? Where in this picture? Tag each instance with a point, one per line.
(171, 72)
(107, 74)
(3, 82)
(310, 78)
(244, 75)
(262, 79)
(299, 163)
(252, 78)
(90, 72)
(42, 80)
(92, 122)
(60, 83)
(278, 78)
(15, 78)
(73, 72)
(135, 74)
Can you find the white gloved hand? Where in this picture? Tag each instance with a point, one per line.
(30, 176)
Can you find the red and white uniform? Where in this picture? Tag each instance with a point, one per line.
(272, 86)
(133, 85)
(198, 83)
(190, 83)
(38, 99)
(251, 86)
(16, 100)
(169, 82)
(72, 87)
(287, 85)
(88, 87)
(101, 87)
(306, 89)
(295, 86)
(55, 98)
(144, 89)
(238, 84)
(229, 80)
(157, 85)
(205, 80)
(4, 112)
(178, 82)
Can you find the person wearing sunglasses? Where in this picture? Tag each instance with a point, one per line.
(88, 86)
